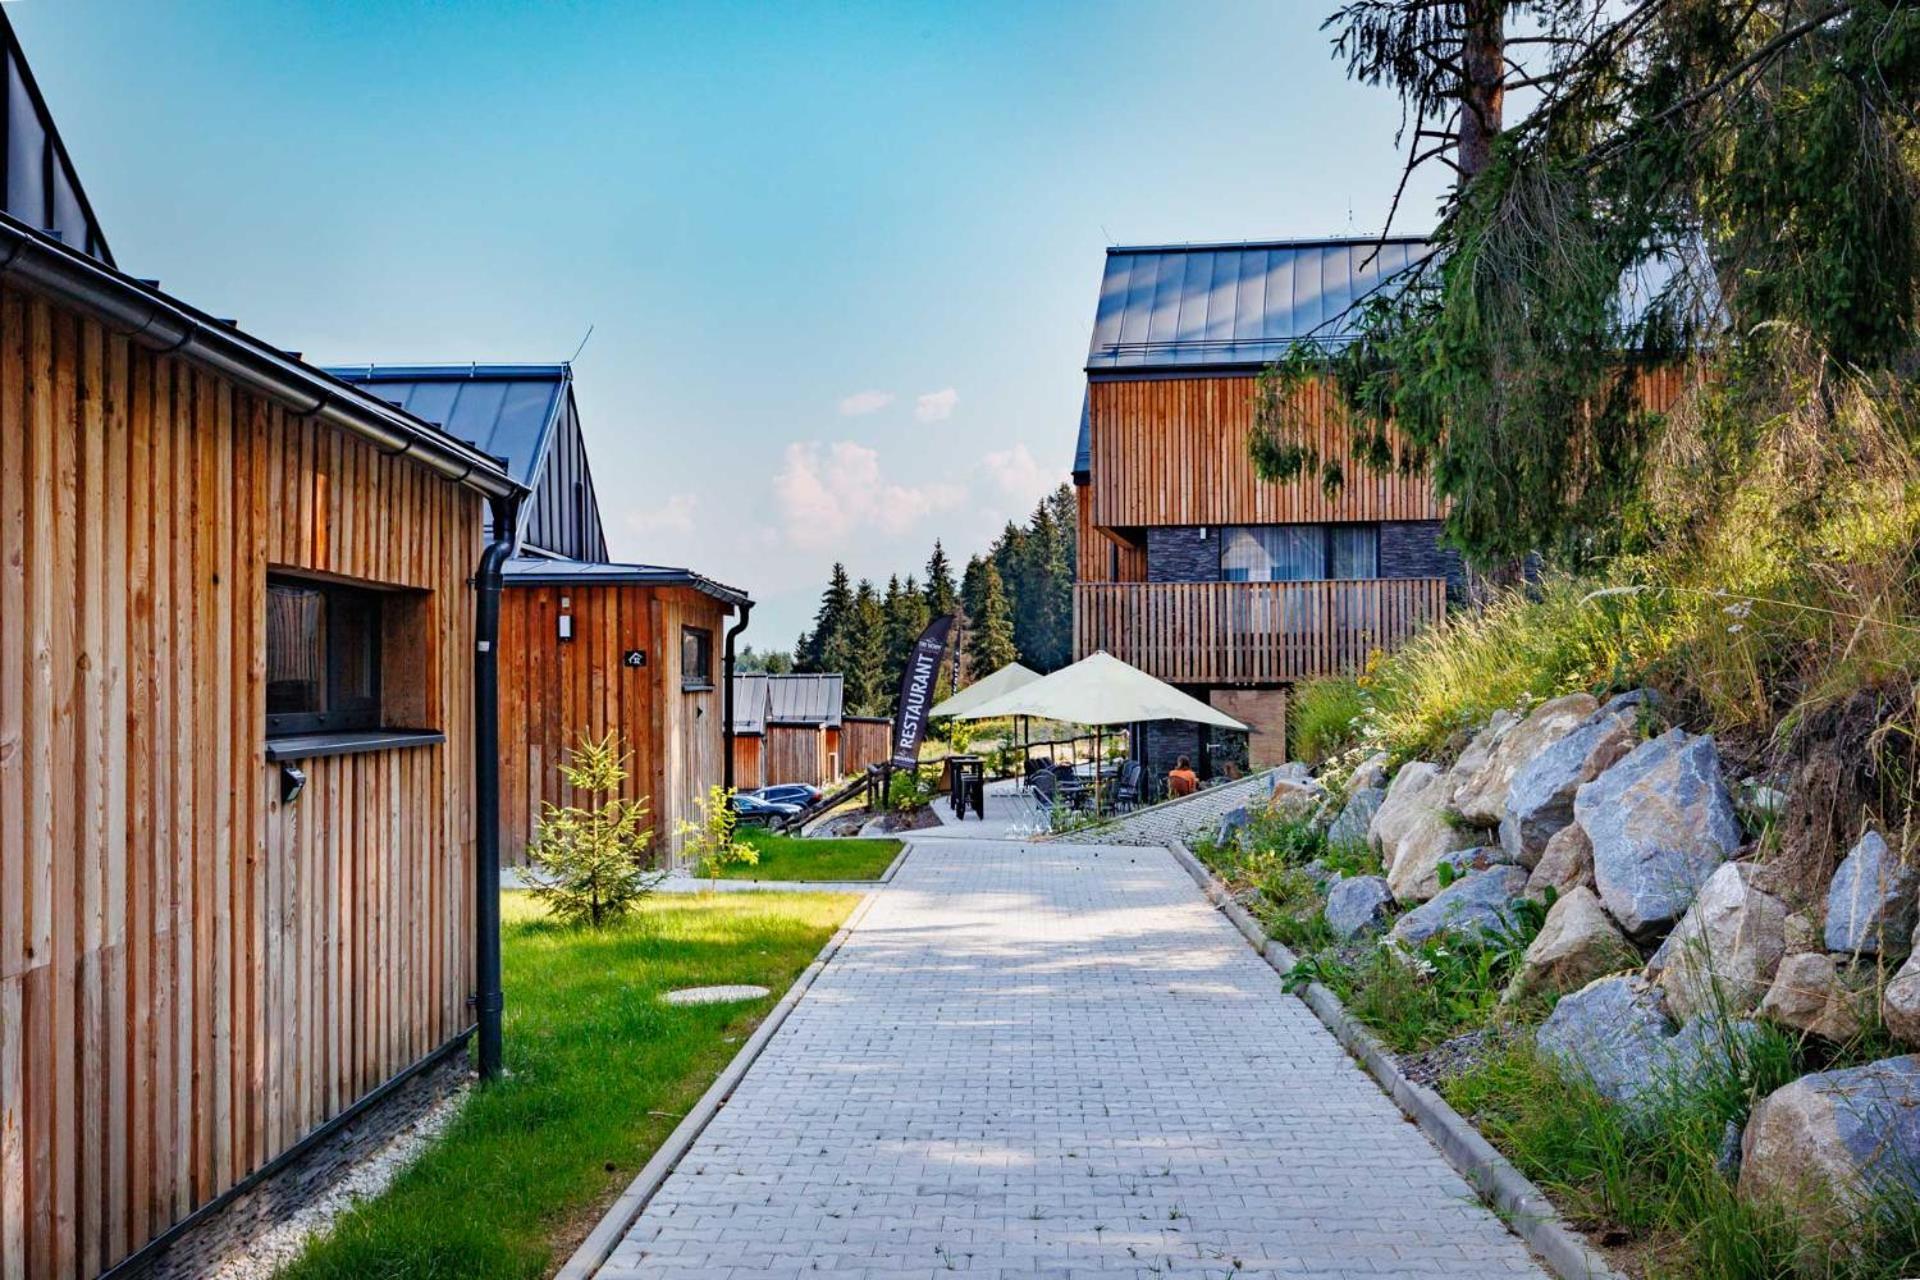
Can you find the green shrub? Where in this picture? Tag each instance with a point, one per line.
(1324, 717)
(713, 843)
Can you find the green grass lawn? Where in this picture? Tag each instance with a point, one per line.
(797, 858)
(600, 1071)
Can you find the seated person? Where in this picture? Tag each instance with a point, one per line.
(1182, 780)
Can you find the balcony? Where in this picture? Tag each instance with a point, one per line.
(1228, 633)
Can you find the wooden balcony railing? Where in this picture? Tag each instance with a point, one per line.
(1251, 632)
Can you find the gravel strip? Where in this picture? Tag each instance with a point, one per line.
(278, 1246)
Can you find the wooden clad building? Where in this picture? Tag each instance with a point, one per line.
(237, 818)
(1189, 565)
(589, 649)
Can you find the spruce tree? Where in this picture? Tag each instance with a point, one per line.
(940, 592)
(825, 647)
(990, 638)
(906, 619)
(868, 688)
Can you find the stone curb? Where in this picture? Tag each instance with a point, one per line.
(620, 1216)
(1520, 1204)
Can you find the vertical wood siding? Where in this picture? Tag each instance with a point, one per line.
(864, 740)
(747, 775)
(797, 753)
(553, 691)
(1174, 451)
(192, 975)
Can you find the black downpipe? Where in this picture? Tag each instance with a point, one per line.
(489, 998)
(726, 699)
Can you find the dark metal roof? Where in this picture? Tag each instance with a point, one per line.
(808, 699)
(1235, 305)
(1083, 448)
(42, 189)
(750, 702)
(541, 571)
(509, 410)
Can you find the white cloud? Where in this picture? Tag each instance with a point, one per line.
(827, 493)
(935, 406)
(675, 515)
(861, 403)
(1019, 476)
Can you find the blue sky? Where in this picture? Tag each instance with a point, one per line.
(840, 260)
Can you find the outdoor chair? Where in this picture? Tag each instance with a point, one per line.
(1040, 793)
(1126, 791)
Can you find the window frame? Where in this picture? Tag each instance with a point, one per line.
(366, 714)
(702, 682)
(1326, 531)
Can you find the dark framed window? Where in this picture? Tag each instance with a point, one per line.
(1299, 552)
(323, 657)
(696, 658)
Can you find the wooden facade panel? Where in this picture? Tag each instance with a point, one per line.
(864, 740)
(192, 974)
(553, 691)
(1251, 633)
(747, 771)
(797, 753)
(1173, 451)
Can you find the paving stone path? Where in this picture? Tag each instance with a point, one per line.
(1158, 825)
(1051, 1061)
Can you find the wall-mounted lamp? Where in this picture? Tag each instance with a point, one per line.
(293, 780)
(566, 626)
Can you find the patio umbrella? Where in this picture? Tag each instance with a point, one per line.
(1101, 690)
(1005, 680)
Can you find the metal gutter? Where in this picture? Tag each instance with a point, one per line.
(1309, 242)
(489, 1000)
(727, 733)
(160, 323)
(600, 573)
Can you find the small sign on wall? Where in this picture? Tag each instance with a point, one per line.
(634, 658)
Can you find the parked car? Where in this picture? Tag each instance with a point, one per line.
(794, 793)
(752, 808)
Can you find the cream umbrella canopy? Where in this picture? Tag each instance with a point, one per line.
(1005, 680)
(1101, 690)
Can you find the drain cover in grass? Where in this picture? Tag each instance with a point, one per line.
(714, 995)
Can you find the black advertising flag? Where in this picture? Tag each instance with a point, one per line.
(916, 690)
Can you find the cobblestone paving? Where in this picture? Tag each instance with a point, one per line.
(1048, 1061)
(1160, 825)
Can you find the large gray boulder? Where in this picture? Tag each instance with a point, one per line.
(1613, 1032)
(1828, 1144)
(1808, 994)
(1477, 903)
(1565, 864)
(1413, 830)
(1900, 1002)
(1660, 820)
(1540, 798)
(1295, 797)
(1723, 954)
(1481, 795)
(1231, 823)
(1357, 905)
(1480, 749)
(1349, 830)
(1578, 943)
(1616, 1033)
(1870, 902)
(1370, 774)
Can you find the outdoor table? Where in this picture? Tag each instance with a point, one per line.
(967, 785)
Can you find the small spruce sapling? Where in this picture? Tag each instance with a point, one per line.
(711, 842)
(589, 862)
